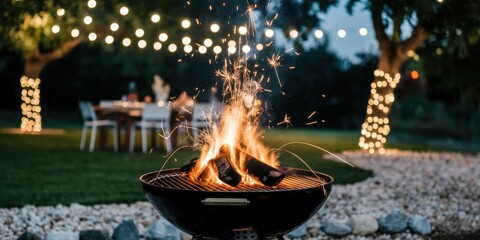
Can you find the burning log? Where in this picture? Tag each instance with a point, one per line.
(263, 172)
(225, 171)
(187, 168)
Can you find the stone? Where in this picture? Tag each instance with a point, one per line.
(94, 235)
(126, 230)
(62, 236)
(299, 232)
(336, 229)
(162, 230)
(363, 224)
(419, 225)
(29, 236)
(395, 222)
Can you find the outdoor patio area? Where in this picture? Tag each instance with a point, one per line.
(227, 120)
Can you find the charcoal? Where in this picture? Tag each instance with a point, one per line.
(225, 171)
(263, 172)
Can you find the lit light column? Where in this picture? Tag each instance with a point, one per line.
(31, 119)
(376, 126)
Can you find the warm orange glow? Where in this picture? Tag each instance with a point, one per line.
(31, 119)
(414, 74)
(238, 127)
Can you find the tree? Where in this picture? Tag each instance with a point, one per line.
(451, 25)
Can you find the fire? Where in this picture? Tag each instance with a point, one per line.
(238, 132)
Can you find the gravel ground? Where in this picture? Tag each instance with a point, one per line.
(442, 187)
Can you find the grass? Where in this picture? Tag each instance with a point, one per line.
(50, 169)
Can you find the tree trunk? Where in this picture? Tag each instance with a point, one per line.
(31, 120)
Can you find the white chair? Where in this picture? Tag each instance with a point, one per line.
(204, 115)
(153, 117)
(90, 121)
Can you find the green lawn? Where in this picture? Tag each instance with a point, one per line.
(50, 169)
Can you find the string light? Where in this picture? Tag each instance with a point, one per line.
(155, 18)
(318, 34)
(92, 36)
(142, 44)
(187, 48)
(186, 23)
(259, 47)
(246, 49)
(88, 20)
(293, 33)
(208, 42)
(157, 46)
(60, 12)
(124, 10)
(202, 49)
(214, 28)
(126, 42)
(91, 3)
(363, 31)
(139, 32)
(186, 40)
(31, 120)
(109, 39)
(269, 33)
(75, 32)
(162, 37)
(342, 33)
(55, 28)
(376, 126)
(232, 43)
(114, 27)
(217, 49)
(242, 30)
(172, 47)
(231, 49)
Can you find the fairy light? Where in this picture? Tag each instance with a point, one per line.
(114, 27)
(109, 39)
(186, 40)
(126, 42)
(163, 37)
(231, 49)
(60, 12)
(172, 47)
(92, 37)
(139, 32)
(157, 46)
(217, 49)
(318, 34)
(208, 42)
(55, 28)
(242, 30)
(124, 10)
(75, 32)
(142, 44)
(155, 18)
(363, 32)
(88, 20)
(186, 23)
(232, 43)
(188, 48)
(293, 33)
(341, 33)
(259, 47)
(202, 49)
(269, 33)
(91, 3)
(31, 120)
(376, 128)
(214, 28)
(246, 49)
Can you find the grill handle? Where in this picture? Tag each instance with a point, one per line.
(225, 201)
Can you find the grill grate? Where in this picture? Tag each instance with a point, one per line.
(183, 182)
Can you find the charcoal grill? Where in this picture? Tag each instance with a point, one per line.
(211, 211)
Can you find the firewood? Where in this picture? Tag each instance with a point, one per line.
(263, 172)
(225, 170)
(187, 168)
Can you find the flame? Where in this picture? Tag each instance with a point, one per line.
(238, 127)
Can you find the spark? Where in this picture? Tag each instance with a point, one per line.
(251, 18)
(311, 114)
(310, 123)
(274, 61)
(286, 121)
